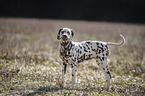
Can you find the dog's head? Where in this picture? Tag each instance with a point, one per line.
(65, 34)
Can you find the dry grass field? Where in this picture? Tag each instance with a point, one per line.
(30, 63)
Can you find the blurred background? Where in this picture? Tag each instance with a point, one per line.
(132, 11)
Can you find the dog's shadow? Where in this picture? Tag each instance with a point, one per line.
(42, 90)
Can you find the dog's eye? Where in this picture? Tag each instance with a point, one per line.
(62, 32)
(68, 33)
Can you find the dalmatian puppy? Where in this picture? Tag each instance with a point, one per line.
(76, 52)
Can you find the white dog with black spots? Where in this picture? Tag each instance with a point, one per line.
(76, 52)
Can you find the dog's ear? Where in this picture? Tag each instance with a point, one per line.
(72, 33)
(58, 34)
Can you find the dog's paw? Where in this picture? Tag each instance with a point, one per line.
(107, 89)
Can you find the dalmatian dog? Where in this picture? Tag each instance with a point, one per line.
(76, 52)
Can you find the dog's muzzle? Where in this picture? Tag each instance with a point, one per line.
(64, 37)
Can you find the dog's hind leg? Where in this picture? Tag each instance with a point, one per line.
(104, 66)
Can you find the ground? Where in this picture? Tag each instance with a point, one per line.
(30, 62)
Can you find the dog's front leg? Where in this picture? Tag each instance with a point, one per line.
(63, 74)
(74, 73)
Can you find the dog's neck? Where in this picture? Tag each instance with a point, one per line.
(66, 45)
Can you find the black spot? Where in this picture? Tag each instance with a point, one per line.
(106, 80)
(106, 46)
(103, 68)
(93, 50)
(67, 61)
(61, 53)
(109, 74)
(68, 52)
(75, 64)
(98, 63)
(72, 65)
(72, 74)
(90, 55)
(102, 50)
(101, 44)
(99, 51)
(80, 52)
(103, 58)
(80, 46)
(83, 56)
(97, 43)
(87, 46)
(88, 42)
(73, 60)
(85, 50)
(107, 53)
(99, 47)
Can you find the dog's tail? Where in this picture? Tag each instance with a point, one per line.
(117, 44)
